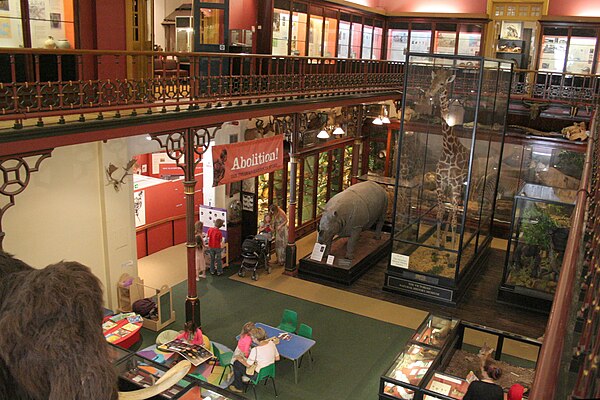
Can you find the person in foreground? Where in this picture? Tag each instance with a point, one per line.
(486, 388)
(263, 354)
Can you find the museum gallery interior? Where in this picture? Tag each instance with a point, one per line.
(401, 197)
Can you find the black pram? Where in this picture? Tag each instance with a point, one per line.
(255, 254)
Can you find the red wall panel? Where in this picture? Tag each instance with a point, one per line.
(140, 238)
(432, 6)
(578, 8)
(180, 232)
(160, 237)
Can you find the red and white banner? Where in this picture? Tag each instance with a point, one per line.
(238, 161)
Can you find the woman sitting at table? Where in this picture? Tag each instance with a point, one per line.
(192, 334)
(263, 354)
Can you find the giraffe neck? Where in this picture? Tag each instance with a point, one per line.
(448, 132)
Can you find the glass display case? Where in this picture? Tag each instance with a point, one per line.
(542, 161)
(443, 386)
(450, 149)
(423, 353)
(539, 233)
(404, 377)
(136, 372)
(435, 331)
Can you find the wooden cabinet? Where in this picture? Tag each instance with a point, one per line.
(130, 289)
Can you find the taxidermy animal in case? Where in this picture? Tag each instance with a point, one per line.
(52, 344)
(350, 212)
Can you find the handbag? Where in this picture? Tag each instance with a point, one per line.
(251, 369)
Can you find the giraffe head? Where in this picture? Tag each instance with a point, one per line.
(440, 79)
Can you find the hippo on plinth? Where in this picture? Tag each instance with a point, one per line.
(350, 212)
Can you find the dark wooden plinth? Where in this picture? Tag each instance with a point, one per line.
(368, 251)
(524, 298)
(410, 283)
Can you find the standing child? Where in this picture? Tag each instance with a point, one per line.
(200, 260)
(191, 334)
(215, 237)
(245, 341)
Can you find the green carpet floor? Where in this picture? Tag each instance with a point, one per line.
(351, 352)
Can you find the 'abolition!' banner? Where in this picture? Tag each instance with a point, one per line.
(237, 161)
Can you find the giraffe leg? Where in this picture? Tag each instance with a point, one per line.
(454, 218)
(440, 215)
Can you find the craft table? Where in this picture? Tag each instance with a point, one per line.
(292, 349)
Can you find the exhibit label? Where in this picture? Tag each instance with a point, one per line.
(238, 161)
(400, 260)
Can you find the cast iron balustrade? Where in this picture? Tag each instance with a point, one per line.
(38, 83)
(568, 88)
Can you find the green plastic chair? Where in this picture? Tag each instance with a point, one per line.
(305, 331)
(224, 361)
(264, 374)
(289, 321)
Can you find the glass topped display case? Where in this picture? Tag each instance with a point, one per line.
(446, 386)
(450, 149)
(423, 353)
(539, 233)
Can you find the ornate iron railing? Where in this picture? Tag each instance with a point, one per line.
(573, 89)
(37, 83)
(555, 360)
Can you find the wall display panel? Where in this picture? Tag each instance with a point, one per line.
(315, 36)
(331, 29)
(420, 41)
(344, 39)
(367, 42)
(298, 45)
(444, 232)
(356, 39)
(397, 44)
(580, 58)
(377, 43)
(11, 26)
(281, 31)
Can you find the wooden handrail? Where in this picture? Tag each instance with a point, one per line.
(545, 380)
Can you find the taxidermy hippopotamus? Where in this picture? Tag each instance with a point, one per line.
(51, 336)
(350, 212)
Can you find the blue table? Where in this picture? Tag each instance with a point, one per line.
(292, 349)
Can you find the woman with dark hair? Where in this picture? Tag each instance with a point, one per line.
(486, 388)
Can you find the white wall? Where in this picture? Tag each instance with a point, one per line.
(68, 213)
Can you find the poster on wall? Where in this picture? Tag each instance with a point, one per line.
(511, 30)
(139, 208)
(4, 5)
(238, 161)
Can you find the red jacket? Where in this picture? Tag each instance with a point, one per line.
(214, 238)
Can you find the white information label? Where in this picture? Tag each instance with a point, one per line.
(330, 259)
(318, 251)
(400, 260)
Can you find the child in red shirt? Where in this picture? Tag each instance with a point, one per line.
(215, 237)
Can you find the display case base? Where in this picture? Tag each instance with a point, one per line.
(368, 251)
(524, 298)
(428, 287)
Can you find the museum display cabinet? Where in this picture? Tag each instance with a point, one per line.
(538, 238)
(450, 147)
(537, 160)
(137, 372)
(443, 352)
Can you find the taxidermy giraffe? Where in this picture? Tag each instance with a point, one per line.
(451, 170)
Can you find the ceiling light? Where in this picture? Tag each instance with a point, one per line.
(323, 134)
(338, 131)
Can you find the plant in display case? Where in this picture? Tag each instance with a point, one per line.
(570, 163)
(538, 254)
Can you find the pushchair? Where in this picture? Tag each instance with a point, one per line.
(255, 254)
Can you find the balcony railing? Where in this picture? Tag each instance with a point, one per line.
(582, 254)
(37, 83)
(573, 89)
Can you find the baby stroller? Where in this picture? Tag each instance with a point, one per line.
(255, 254)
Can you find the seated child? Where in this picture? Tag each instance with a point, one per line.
(245, 341)
(191, 334)
(265, 227)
